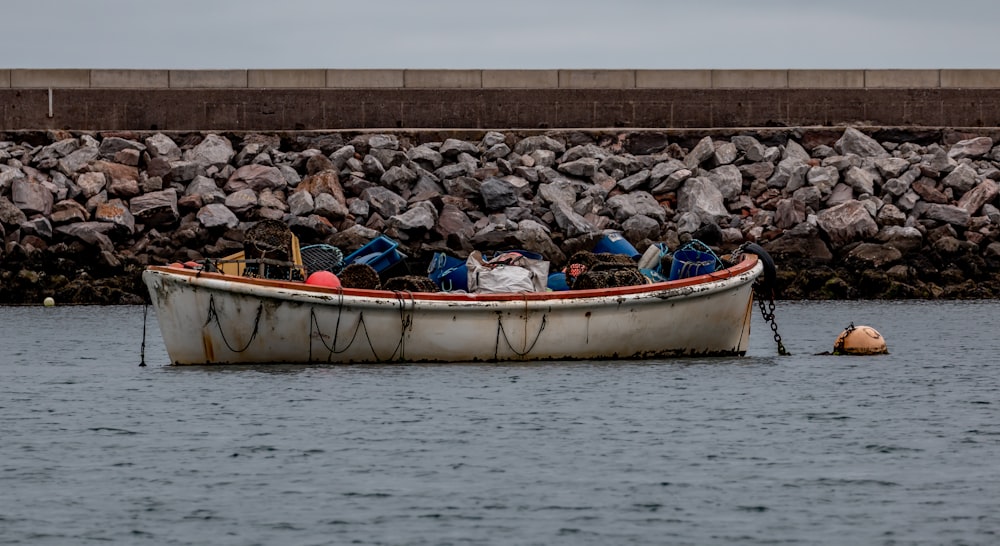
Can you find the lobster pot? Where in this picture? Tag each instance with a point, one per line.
(272, 241)
(691, 261)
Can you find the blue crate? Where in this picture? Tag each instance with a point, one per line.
(380, 254)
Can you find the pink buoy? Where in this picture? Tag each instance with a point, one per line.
(323, 278)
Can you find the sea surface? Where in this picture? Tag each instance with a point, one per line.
(802, 449)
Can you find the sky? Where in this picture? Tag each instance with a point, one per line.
(500, 34)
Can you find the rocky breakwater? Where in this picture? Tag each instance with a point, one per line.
(845, 215)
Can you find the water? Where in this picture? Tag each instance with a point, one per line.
(897, 449)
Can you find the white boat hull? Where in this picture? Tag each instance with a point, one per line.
(210, 318)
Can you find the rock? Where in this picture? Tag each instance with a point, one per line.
(640, 227)
(497, 194)
(928, 192)
(384, 201)
(452, 147)
(92, 233)
(161, 146)
(672, 182)
(890, 215)
(257, 178)
(452, 220)
(571, 223)
(540, 142)
(789, 213)
(328, 206)
(111, 146)
(905, 239)
(31, 197)
(183, 171)
(802, 243)
(241, 201)
(874, 255)
(420, 217)
(963, 178)
(862, 181)
(76, 161)
(155, 209)
(398, 178)
(892, 167)
(841, 193)
(846, 223)
(628, 205)
(701, 197)
(68, 211)
(323, 182)
(973, 147)
(10, 214)
(217, 215)
(974, 199)
(728, 179)
(91, 183)
(117, 213)
(40, 227)
(956, 216)
(213, 151)
(701, 152)
(206, 189)
(635, 181)
(584, 167)
(300, 203)
(725, 153)
(855, 142)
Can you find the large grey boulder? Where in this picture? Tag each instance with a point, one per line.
(539, 142)
(421, 216)
(213, 151)
(951, 214)
(76, 161)
(973, 147)
(700, 196)
(497, 194)
(241, 201)
(627, 205)
(962, 179)
(728, 179)
(205, 188)
(31, 197)
(10, 214)
(162, 146)
(569, 222)
(217, 215)
(328, 206)
(257, 177)
(846, 223)
(384, 201)
(301, 203)
(701, 152)
(855, 142)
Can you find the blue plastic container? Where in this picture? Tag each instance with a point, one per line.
(557, 282)
(380, 254)
(615, 243)
(448, 272)
(653, 275)
(692, 261)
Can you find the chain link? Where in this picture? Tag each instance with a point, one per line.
(767, 311)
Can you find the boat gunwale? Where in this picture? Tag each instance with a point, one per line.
(746, 264)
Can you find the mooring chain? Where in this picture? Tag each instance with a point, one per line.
(213, 314)
(767, 311)
(501, 330)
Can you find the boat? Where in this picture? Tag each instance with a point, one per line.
(211, 317)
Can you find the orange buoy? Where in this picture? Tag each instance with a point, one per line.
(860, 340)
(323, 278)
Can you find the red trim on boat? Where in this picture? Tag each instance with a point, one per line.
(746, 264)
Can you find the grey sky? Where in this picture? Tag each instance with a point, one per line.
(650, 34)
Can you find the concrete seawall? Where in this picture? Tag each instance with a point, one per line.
(303, 100)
